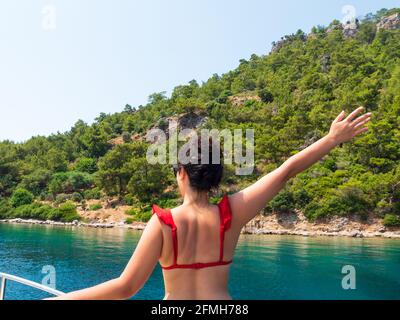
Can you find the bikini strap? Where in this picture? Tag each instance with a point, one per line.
(165, 216)
(225, 215)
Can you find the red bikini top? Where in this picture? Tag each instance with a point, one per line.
(225, 215)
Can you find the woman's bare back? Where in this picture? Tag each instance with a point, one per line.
(198, 234)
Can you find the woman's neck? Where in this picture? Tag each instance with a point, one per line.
(198, 199)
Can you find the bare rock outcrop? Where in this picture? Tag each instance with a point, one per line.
(190, 120)
(391, 22)
(120, 140)
(350, 29)
(241, 99)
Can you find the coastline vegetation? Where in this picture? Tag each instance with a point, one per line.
(289, 97)
(22, 205)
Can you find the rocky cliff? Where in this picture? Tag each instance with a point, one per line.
(349, 29)
(391, 22)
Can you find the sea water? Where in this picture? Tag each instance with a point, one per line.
(265, 267)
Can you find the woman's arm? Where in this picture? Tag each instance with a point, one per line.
(246, 204)
(136, 273)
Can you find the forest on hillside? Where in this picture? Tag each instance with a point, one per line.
(289, 97)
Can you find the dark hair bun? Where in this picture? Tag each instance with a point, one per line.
(205, 176)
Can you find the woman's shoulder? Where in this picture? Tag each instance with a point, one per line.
(180, 209)
(163, 214)
(222, 204)
(174, 211)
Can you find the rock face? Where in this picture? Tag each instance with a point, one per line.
(297, 224)
(185, 121)
(391, 22)
(350, 29)
(241, 99)
(119, 140)
(191, 121)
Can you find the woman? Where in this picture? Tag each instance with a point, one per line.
(195, 242)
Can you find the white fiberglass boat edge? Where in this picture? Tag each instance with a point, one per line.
(4, 277)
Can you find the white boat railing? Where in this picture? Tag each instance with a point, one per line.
(4, 277)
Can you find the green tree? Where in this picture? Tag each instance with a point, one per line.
(21, 197)
(147, 181)
(95, 142)
(266, 96)
(56, 160)
(36, 181)
(126, 137)
(114, 174)
(70, 182)
(391, 220)
(85, 164)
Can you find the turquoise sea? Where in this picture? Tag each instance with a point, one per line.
(265, 267)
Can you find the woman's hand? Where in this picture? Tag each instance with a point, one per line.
(344, 129)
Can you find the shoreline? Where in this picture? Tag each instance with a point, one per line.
(135, 226)
(256, 227)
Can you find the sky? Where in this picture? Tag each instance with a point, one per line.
(64, 60)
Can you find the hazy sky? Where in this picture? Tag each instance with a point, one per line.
(64, 60)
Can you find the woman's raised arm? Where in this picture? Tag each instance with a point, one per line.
(136, 273)
(246, 204)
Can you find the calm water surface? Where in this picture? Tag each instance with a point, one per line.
(265, 267)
